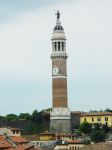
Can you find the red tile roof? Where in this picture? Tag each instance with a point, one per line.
(98, 146)
(19, 139)
(23, 147)
(4, 143)
(96, 114)
(75, 142)
(14, 129)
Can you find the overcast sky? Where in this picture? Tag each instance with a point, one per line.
(25, 48)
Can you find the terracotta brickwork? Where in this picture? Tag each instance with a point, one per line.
(59, 92)
(61, 63)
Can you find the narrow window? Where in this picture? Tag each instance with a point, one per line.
(106, 118)
(62, 46)
(98, 119)
(58, 46)
(92, 119)
(85, 119)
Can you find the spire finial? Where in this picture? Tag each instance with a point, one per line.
(58, 15)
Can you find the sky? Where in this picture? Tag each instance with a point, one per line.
(25, 66)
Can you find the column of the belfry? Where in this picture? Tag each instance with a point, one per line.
(60, 114)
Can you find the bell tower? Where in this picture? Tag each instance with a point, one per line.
(60, 114)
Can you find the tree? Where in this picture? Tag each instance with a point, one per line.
(34, 116)
(97, 126)
(40, 117)
(106, 128)
(11, 117)
(108, 110)
(97, 136)
(85, 128)
(25, 116)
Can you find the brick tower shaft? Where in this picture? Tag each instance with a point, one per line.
(60, 114)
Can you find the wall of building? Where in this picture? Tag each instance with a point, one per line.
(68, 146)
(97, 119)
(75, 120)
(60, 125)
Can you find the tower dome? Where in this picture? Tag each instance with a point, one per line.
(58, 31)
(58, 27)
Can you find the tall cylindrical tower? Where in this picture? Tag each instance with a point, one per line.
(60, 114)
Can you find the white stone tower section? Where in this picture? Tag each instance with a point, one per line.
(60, 115)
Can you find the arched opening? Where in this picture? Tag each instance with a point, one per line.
(62, 46)
(58, 46)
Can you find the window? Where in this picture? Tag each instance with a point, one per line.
(58, 46)
(92, 119)
(62, 46)
(85, 119)
(98, 119)
(13, 132)
(106, 118)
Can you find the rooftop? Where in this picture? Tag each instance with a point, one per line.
(14, 129)
(96, 114)
(98, 146)
(4, 143)
(19, 139)
(23, 147)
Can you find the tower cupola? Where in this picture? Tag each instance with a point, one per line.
(58, 37)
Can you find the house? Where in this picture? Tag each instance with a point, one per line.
(68, 145)
(98, 146)
(10, 131)
(24, 147)
(97, 117)
(15, 143)
(47, 136)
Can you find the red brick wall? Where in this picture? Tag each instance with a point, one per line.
(61, 64)
(59, 92)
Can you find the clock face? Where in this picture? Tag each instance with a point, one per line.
(55, 70)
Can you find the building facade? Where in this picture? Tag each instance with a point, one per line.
(10, 131)
(60, 114)
(97, 117)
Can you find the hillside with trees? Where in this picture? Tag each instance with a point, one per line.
(30, 123)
